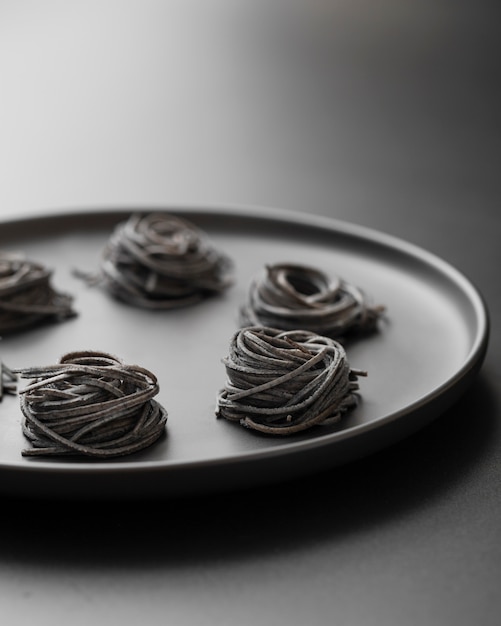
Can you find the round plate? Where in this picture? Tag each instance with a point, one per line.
(425, 353)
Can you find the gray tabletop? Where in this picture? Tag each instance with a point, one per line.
(382, 114)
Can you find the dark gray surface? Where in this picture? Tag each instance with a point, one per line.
(385, 114)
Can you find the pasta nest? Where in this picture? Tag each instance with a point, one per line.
(290, 296)
(90, 404)
(283, 382)
(161, 261)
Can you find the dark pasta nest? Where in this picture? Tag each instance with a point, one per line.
(90, 404)
(160, 261)
(289, 296)
(8, 381)
(283, 382)
(26, 295)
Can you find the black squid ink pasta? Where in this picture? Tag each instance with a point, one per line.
(8, 381)
(161, 261)
(283, 382)
(27, 297)
(90, 404)
(292, 296)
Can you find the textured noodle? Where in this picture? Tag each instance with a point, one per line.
(8, 381)
(289, 296)
(90, 404)
(26, 295)
(160, 261)
(283, 382)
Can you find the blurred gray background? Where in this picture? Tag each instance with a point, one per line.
(348, 108)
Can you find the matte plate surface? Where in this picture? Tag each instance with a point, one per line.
(424, 355)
